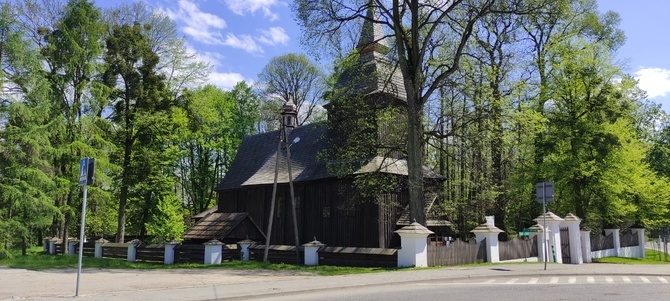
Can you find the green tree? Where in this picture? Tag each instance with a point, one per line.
(292, 77)
(26, 178)
(139, 99)
(72, 56)
(417, 28)
(214, 123)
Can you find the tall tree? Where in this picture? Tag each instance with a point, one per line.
(72, 55)
(139, 92)
(26, 178)
(292, 77)
(417, 28)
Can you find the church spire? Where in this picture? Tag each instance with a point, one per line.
(372, 33)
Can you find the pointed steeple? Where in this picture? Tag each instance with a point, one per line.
(372, 33)
(374, 73)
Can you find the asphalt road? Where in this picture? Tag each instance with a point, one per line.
(496, 282)
(502, 292)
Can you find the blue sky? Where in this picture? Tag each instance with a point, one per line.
(238, 37)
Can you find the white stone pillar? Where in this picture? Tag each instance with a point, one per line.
(52, 245)
(641, 241)
(586, 244)
(553, 222)
(413, 246)
(312, 252)
(617, 239)
(168, 255)
(71, 242)
(213, 252)
(98, 247)
(489, 232)
(132, 250)
(572, 223)
(244, 248)
(541, 241)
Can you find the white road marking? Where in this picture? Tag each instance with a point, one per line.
(609, 279)
(644, 279)
(661, 279)
(489, 281)
(553, 280)
(572, 280)
(590, 279)
(512, 281)
(625, 279)
(533, 280)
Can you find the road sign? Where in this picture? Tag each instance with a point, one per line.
(83, 171)
(545, 192)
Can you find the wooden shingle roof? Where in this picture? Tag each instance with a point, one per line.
(256, 159)
(224, 226)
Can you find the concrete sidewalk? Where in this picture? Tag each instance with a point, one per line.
(211, 284)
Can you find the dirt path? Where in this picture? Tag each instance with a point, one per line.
(21, 284)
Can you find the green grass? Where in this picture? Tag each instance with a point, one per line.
(37, 260)
(652, 258)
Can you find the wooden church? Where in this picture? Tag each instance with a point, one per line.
(331, 162)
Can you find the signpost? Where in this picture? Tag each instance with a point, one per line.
(545, 194)
(86, 177)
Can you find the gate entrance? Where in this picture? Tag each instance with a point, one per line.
(565, 245)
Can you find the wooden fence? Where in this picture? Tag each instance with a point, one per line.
(457, 253)
(276, 254)
(150, 252)
(362, 257)
(602, 242)
(189, 253)
(115, 250)
(518, 248)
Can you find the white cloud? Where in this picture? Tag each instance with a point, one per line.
(655, 81)
(240, 7)
(225, 81)
(244, 42)
(201, 26)
(274, 36)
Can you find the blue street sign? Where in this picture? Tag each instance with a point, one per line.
(545, 192)
(83, 171)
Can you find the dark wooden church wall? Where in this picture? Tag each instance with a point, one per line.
(322, 213)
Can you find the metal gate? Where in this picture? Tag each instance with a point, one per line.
(565, 245)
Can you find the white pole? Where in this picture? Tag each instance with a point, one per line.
(544, 226)
(81, 238)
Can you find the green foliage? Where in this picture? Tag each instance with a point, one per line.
(168, 223)
(293, 77)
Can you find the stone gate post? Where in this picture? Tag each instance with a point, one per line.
(312, 252)
(213, 252)
(553, 233)
(640, 240)
(413, 245)
(586, 244)
(98, 247)
(541, 242)
(617, 239)
(489, 232)
(168, 255)
(244, 248)
(572, 223)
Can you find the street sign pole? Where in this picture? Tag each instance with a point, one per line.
(544, 225)
(545, 193)
(86, 175)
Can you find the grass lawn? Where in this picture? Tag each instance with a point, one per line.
(37, 260)
(653, 257)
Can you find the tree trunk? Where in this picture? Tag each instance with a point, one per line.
(414, 166)
(123, 197)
